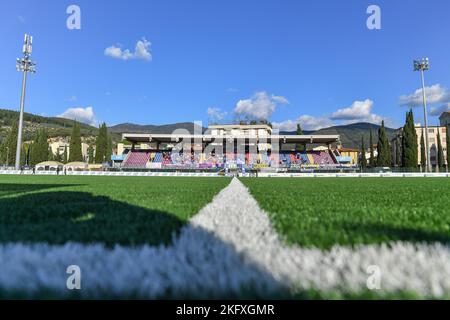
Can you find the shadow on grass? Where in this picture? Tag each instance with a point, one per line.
(196, 265)
(7, 189)
(59, 217)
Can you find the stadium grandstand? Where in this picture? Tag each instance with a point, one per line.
(231, 147)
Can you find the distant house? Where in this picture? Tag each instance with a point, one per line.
(432, 141)
(348, 155)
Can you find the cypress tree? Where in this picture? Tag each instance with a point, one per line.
(103, 145)
(75, 144)
(300, 147)
(398, 152)
(24, 155)
(100, 144)
(33, 149)
(415, 145)
(30, 154)
(440, 152)
(91, 154)
(2, 153)
(363, 154)
(423, 159)
(384, 154)
(58, 156)
(43, 146)
(11, 143)
(372, 163)
(50, 156)
(410, 149)
(108, 151)
(65, 157)
(39, 151)
(387, 147)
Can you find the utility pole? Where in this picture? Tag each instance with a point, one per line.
(422, 66)
(24, 65)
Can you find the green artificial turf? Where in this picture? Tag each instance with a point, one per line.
(95, 209)
(322, 212)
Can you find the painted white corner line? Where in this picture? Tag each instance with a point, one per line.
(228, 245)
(235, 217)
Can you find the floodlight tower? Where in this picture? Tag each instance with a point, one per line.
(24, 65)
(422, 66)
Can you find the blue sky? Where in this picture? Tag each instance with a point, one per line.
(313, 62)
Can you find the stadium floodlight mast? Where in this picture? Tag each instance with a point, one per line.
(24, 65)
(422, 66)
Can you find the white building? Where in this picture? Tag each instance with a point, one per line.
(59, 144)
(433, 141)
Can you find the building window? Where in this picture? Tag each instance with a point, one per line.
(430, 130)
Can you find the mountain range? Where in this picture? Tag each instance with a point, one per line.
(165, 128)
(350, 134)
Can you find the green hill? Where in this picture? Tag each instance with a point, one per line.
(55, 126)
(166, 128)
(351, 133)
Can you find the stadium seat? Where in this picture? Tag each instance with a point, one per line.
(322, 158)
(305, 158)
(158, 157)
(136, 159)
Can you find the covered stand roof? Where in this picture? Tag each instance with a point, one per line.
(284, 139)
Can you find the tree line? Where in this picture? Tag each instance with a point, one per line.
(406, 148)
(39, 150)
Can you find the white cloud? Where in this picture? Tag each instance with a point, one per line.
(260, 106)
(116, 52)
(314, 123)
(435, 94)
(280, 99)
(286, 125)
(307, 122)
(141, 51)
(359, 111)
(437, 111)
(372, 118)
(215, 114)
(84, 115)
